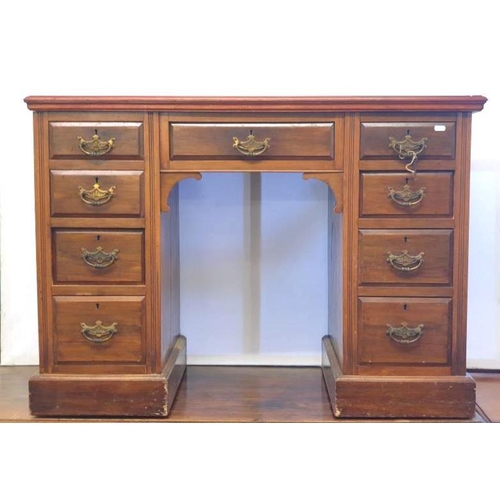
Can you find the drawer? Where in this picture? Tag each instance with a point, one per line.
(96, 140)
(96, 193)
(405, 257)
(98, 257)
(395, 194)
(272, 141)
(404, 331)
(376, 139)
(97, 330)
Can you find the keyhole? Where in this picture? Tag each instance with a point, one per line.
(406, 180)
(95, 130)
(98, 237)
(97, 305)
(407, 132)
(405, 307)
(97, 180)
(406, 239)
(251, 132)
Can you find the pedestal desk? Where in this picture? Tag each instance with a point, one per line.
(107, 172)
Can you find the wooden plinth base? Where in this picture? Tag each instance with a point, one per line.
(109, 395)
(355, 396)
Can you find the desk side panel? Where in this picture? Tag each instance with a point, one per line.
(335, 276)
(170, 275)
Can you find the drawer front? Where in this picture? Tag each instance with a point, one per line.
(98, 330)
(98, 257)
(273, 141)
(95, 193)
(96, 140)
(404, 331)
(427, 194)
(376, 139)
(405, 257)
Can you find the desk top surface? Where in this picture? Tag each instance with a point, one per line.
(257, 104)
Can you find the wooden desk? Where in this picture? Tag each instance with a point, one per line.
(107, 172)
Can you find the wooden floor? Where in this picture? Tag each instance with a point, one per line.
(239, 394)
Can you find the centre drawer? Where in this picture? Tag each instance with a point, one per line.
(97, 330)
(98, 257)
(269, 141)
(404, 331)
(405, 257)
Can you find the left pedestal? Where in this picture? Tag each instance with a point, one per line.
(109, 395)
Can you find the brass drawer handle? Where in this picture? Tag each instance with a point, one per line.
(98, 333)
(404, 261)
(405, 334)
(96, 196)
(95, 147)
(406, 197)
(99, 259)
(251, 147)
(408, 148)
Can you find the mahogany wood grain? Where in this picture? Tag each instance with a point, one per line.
(100, 165)
(405, 397)
(197, 386)
(126, 346)
(101, 222)
(170, 275)
(488, 393)
(436, 202)
(64, 142)
(174, 369)
(335, 181)
(85, 289)
(397, 165)
(264, 103)
(169, 180)
(44, 243)
(96, 395)
(375, 138)
(436, 267)
(405, 291)
(406, 222)
(349, 246)
(127, 187)
(342, 141)
(376, 347)
(209, 141)
(461, 196)
(70, 267)
(253, 165)
(396, 396)
(152, 244)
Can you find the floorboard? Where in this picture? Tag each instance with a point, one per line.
(488, 394)
(237, 394)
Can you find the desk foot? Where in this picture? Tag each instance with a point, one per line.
(152, 395)
(360, 396)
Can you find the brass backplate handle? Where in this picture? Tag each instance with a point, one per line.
(95, 147)
(405, 334)
(96, 196)
(251, 147)
(98, 333)
(99, 259)
(406, 197)
(404, 261)
(408, 149)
